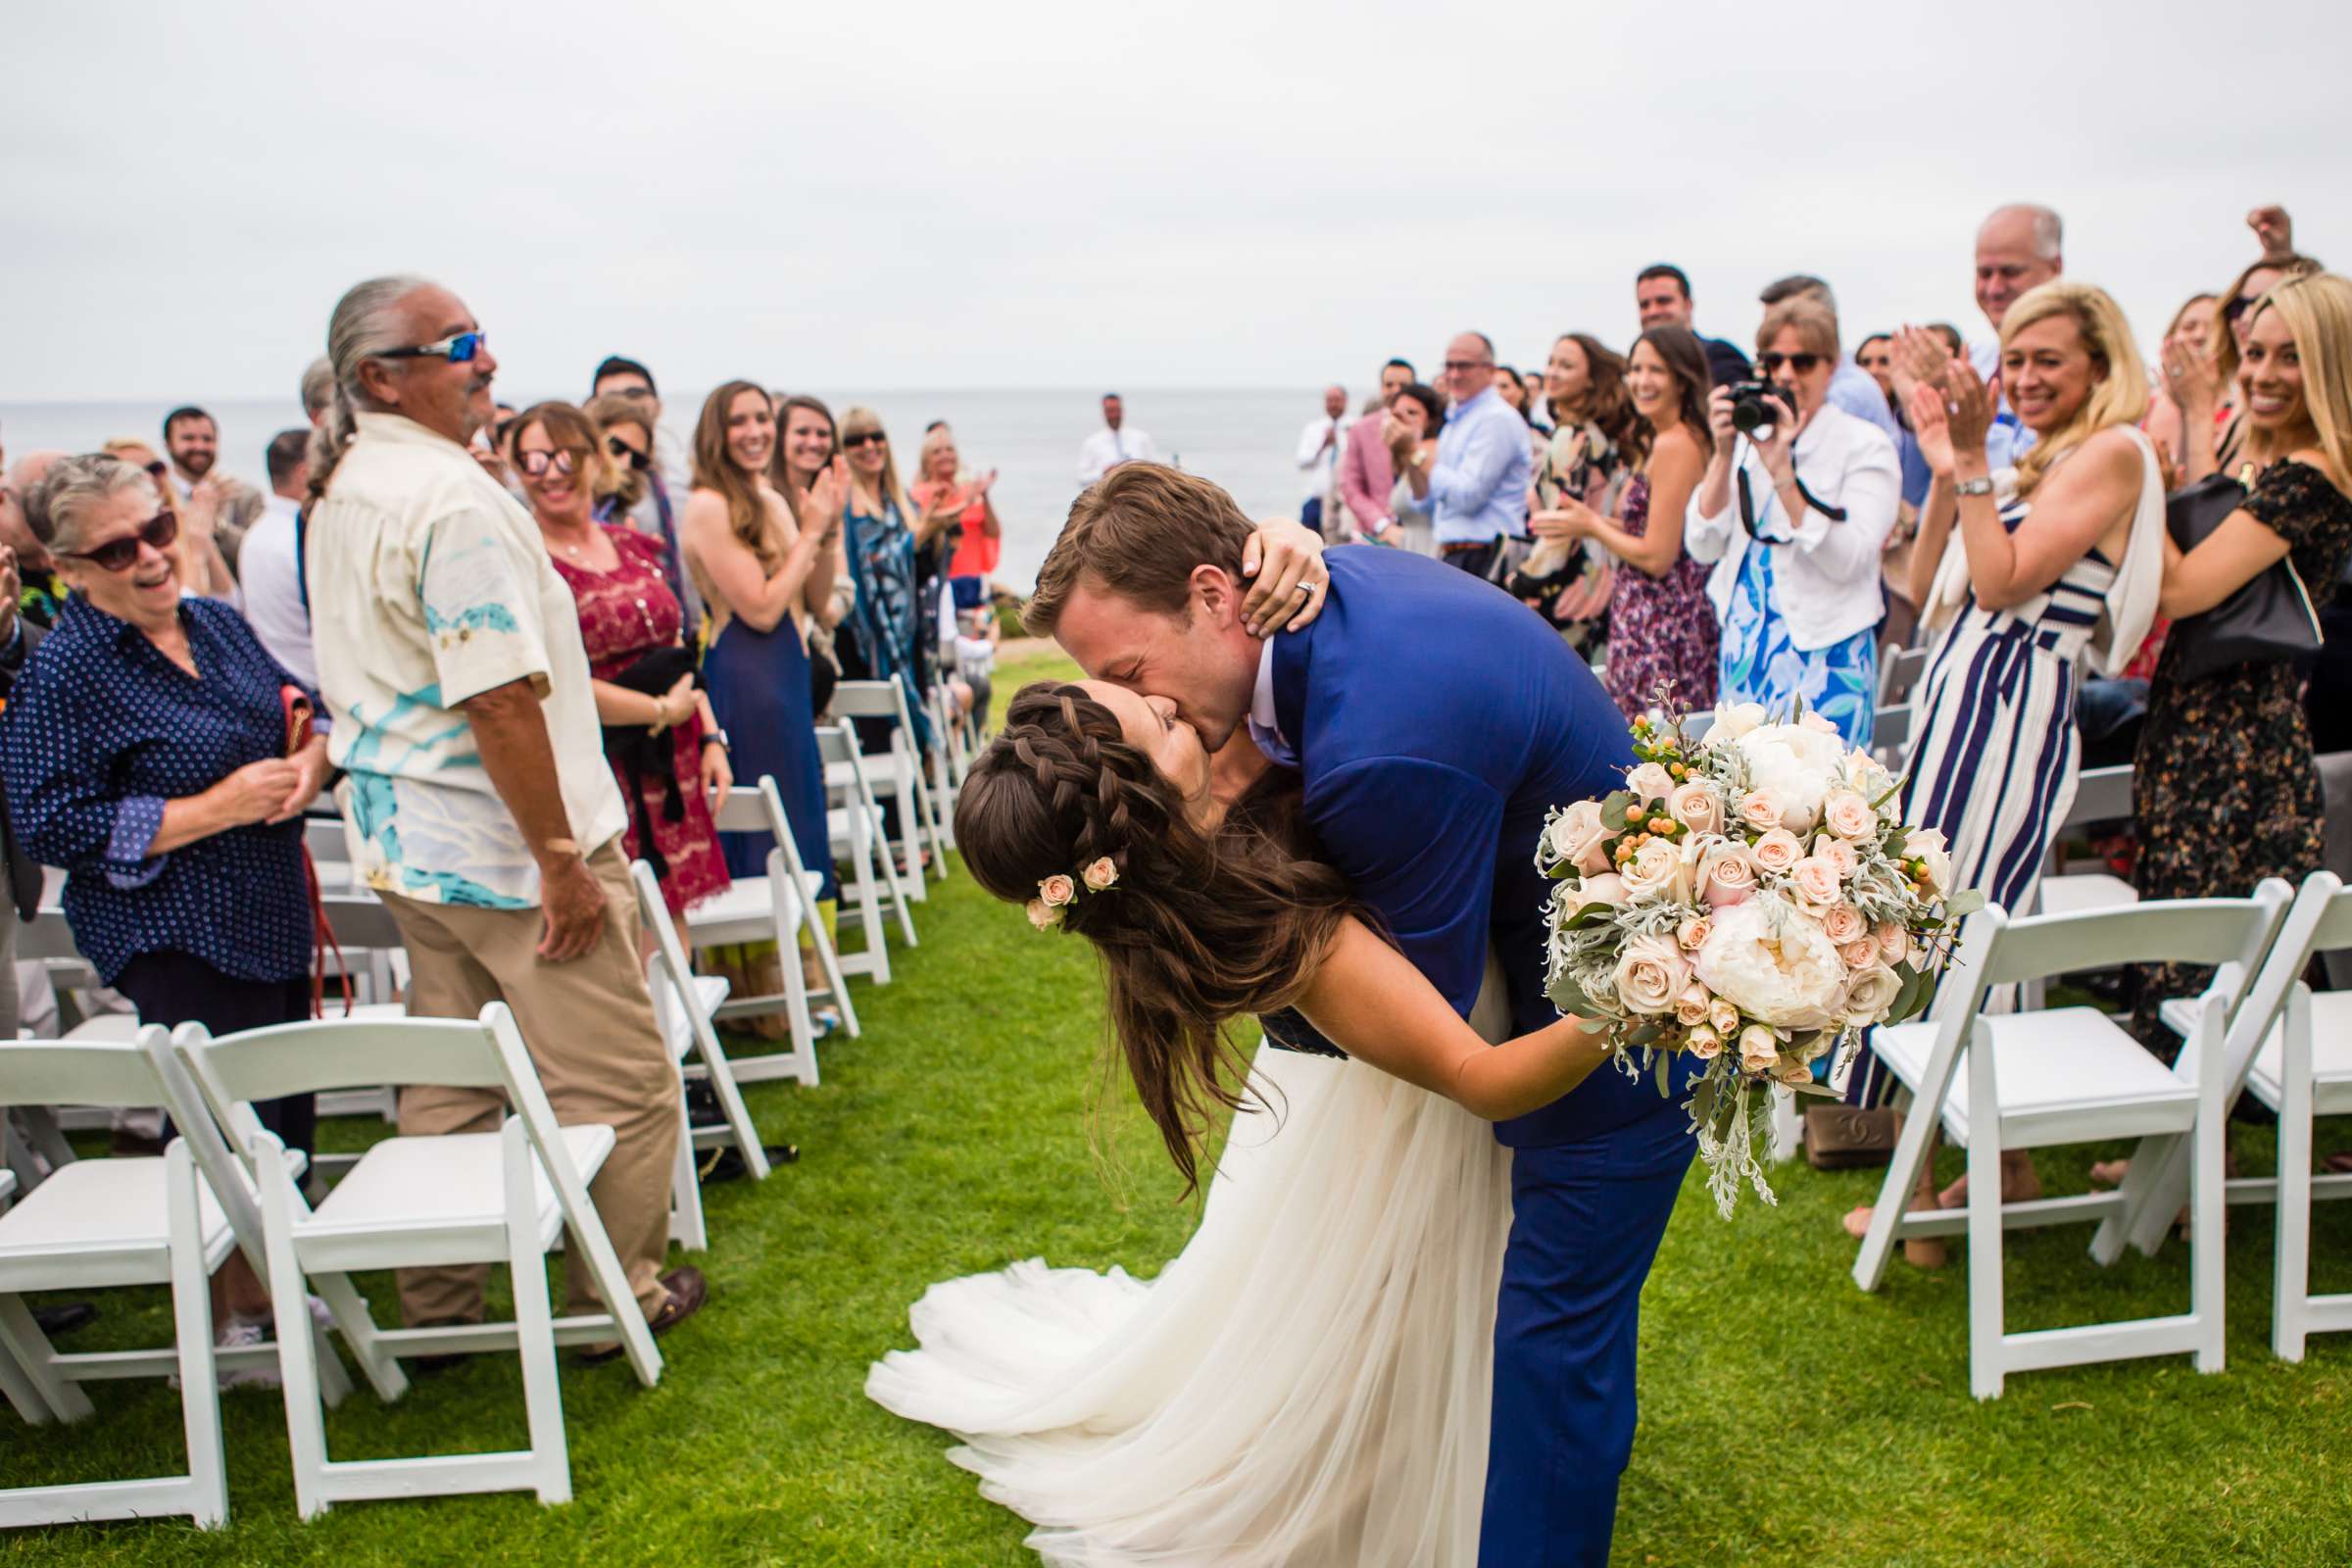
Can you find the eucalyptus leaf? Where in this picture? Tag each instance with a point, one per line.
(1643, 1036)
(1664, 1067)
(1968, 900)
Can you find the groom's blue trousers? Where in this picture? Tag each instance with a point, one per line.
(1586, 1221)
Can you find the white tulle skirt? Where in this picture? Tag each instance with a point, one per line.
(1306, 1385)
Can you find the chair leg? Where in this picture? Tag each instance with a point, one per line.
(289, 1291)
(2290, 1286)
(21, 1396)
(535, 1323)
(828, 964)
(1912, 1149)
(1984, 1324)
(2154, 1164)
(192, 1321)
(870, 902)
(796, 1000)
(2210, 1218)
(22, 1337)
(720, 1075)
(686, 1227)
(349, 1309)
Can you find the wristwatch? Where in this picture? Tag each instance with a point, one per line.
(1980, 486)
(717, 738)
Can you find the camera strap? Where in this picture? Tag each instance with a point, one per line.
(1747, 505)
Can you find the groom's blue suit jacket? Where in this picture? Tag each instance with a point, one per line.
(1436, 719)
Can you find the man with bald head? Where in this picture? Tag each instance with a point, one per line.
(2020, 247)
(1318, 446)
(477, 800)
(1477, 480)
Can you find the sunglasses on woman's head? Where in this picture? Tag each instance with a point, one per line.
(536, 464)
(851, 443)
(119, 554)
(1801, 364)
(627, 454)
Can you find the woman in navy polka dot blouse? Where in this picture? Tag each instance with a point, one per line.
(144, 751)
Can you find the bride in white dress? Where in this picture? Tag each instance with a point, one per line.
(1307, 1384)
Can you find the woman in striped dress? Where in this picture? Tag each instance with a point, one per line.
(2070, 565)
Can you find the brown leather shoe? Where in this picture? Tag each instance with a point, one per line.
(688, 1290)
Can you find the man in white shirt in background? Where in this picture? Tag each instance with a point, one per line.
(1318, 448)
(271, 581)
(1113, 444)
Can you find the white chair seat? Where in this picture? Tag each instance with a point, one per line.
(122, 1026)
(2330, 1058)
(441, 1195)
(100, 1222)
(2069, 1075)
(2077, 891)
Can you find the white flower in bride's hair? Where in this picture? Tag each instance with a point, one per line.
(1042, 915)
(1651, 972)
(1773, 962)
(1099, 875)
(1056, 891)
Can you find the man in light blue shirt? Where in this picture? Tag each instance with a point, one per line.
(1477, 481)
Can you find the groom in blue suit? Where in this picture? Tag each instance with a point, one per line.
(1433, 721)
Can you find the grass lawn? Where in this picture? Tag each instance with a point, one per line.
(1785, 1417)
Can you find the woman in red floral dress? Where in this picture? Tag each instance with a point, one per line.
(631, 625)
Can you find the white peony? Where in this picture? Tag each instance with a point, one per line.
(1735, 720)
(1926, 844)
(1799, 767)
(1773, 962)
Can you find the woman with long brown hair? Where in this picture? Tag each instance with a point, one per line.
(1243, 1408)
(762, 575)
(1584, 460)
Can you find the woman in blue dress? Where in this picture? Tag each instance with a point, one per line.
(1796, 515)
(895, 627)
(762, 575)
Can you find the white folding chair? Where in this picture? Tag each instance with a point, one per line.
(462, 1197)
(1891, 735)
(686, 1002)
(2069, 1075)
(2293, 1049)
(2101, 795)
(15, 1384)
(112, 1222)
(903, 769)
(1898, 674)
(776, 908)
(854, 834)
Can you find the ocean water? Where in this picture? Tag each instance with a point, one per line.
(1244, 439)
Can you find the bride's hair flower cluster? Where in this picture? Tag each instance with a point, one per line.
(1056, 892)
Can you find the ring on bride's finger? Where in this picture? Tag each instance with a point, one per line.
(1307, 587)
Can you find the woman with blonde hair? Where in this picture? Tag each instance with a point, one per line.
(2019, 577)
(888, 539)
(2205, 386)
(941, 484)
(2226, 787)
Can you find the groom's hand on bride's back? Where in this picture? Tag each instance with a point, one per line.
(1290, 581)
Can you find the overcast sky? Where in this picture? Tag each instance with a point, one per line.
(1143, 194)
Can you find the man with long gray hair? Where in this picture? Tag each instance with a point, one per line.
(479, 806)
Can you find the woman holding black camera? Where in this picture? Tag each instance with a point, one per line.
(1795, 524)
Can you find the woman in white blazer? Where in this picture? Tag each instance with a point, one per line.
(1796, 515)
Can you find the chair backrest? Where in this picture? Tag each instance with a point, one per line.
(2217, 931)
(759, 808)
(208, 1133)
(1890, 728)
(113, 1073)
(2101, 795)
(361, 920)
(47, 938)
(1900, 673)
(301, 1059)
(870, 699)
(327, 840)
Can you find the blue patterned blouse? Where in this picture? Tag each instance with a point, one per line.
(101, 731)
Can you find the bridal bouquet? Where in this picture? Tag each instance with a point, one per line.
(1753, 899)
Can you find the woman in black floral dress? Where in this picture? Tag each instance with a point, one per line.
(2227, 791)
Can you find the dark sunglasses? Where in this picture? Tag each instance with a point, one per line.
(456, 349)
(158, 468)
(119, 554)
(2238, 308)
(851, 443)
(640, 461)
(536, 464)
(1801, 364)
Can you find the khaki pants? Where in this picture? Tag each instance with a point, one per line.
(590, 1028)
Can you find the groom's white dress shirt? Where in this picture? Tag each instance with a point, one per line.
(1262, 727)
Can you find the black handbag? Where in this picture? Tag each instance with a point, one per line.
(641, 754)
(2268, 620)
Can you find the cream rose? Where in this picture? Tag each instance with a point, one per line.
(1698, 807)
(1649, 782)
(1839, 854)
(1607, 887)
(1691, 934)
(1926, 844)
(1843, 924)
(1657, 870)
(1726, 877)
(1576, 836)
(1759, 1048)
(1774, 964)
(1894, 943)
(1691, 1007)
(1735, 720)
(1704, 1043)
(1776, 852)
(1650, 973)
(1040, 916)
(1859, 953)
(1056, 891)
(1848, 815)
(1870, 992)
(1762, 810)
(1816, 880)
(1101, 874)
(1724, 1018)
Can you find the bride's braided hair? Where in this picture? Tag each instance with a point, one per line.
(1200, 927)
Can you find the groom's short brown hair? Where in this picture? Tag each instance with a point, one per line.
(1138, 531)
